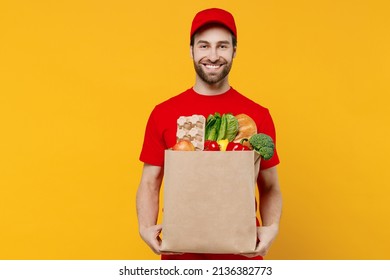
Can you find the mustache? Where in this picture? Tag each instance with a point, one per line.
(220, 61)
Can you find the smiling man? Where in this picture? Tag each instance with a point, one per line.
(213, 45)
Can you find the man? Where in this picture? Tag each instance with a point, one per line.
(213, 47)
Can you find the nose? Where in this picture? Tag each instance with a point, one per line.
(213, 55)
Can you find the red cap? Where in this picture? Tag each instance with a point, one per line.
(213, 15)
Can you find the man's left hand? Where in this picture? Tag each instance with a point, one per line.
(266, 235)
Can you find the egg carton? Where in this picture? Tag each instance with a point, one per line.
(192, 128)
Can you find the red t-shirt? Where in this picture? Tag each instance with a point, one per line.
(161, 128)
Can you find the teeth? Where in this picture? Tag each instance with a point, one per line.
(212, 66)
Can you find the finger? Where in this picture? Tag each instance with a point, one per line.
(249, 255)
(258, 247)
(254, 254)
(261, 249)
(155, 245)
(158, 227)
(172, 253)
(155, 240)
(157, 230)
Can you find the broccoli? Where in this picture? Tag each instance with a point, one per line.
(262, 144)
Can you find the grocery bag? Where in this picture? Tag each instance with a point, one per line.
(209, 202)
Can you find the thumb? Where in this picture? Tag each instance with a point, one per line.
(157, 230)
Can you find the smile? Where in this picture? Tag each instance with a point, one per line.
(212, 66)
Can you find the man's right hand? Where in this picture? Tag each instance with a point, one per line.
(151, 236)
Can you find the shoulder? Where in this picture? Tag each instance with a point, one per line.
(173, 101)
(251, 106)
(167, 111)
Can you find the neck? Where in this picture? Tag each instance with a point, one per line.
(204, 88)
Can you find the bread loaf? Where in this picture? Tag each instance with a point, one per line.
(246, 127)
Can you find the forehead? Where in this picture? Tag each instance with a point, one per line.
(213, 33)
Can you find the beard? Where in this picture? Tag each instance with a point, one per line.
(213, 78)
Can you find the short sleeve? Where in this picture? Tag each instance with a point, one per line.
(153, 146)
(267, 126)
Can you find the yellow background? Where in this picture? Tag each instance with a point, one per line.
(78, 80)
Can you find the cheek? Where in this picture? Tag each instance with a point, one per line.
(198, 58)
(198, 55)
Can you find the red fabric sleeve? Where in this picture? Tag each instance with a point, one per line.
(267, 126)
(153, 147)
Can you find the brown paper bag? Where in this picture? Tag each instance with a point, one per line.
(209, 202)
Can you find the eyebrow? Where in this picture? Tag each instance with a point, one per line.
(207, 42)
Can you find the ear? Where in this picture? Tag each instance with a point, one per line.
(192, 52)
(234, 52)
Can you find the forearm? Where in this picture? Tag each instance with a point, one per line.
(147, 206)
(271, 207)
(148, 194)
(147, 202)
(270, 197)
(270, 210)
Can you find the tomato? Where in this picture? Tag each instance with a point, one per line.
(236, 147)
(210, 145)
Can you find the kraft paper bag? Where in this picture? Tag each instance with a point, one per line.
(209, 202)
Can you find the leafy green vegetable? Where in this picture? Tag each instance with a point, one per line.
(209, 124)
(231, 127)
(213, 129)
(222, 128)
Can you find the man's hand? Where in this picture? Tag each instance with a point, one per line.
(270, 210)
(148, 206)
(151, 236)
(266, 235)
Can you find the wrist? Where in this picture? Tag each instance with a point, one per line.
(142, 228)
(274, 226)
